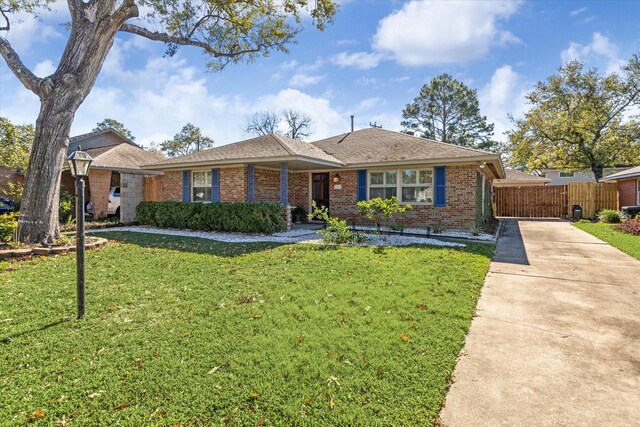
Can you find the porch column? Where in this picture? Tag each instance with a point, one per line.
(284, 183)
(251, 183)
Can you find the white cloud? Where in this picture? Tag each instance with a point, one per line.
(578, 11)
(503, 95)
(437, 32)
(598, 50)
(361, 60)
(27, 30)
(44, 68)
(302, 80)
(369, 103)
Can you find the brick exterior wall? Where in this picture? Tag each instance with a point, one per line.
(627, 194)
(459, 213)
(99, 185)
(299, 189)
(233, 184)
(268, 185)
(172, 186)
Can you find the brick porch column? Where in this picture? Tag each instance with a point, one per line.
(99, 184)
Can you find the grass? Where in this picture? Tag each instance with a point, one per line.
(626, 242)
(191, 332)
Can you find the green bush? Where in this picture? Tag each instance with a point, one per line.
(379, 209)
(8, 226)
(228, 217)
(337, 230)
(609, 216)
(65, 210)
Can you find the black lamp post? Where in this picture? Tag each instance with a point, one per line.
(79, 163)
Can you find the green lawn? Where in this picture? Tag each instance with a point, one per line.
(193, 332)
(626, 242)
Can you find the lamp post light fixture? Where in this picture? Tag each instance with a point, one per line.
(79, 162)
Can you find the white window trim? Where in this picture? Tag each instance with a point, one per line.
(399, 183)
(193, 186)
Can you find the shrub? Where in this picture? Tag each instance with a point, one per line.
(65, 210)
(299, 214)
(379, 209)
(228, 217)
(632, 227)
(337, 230)
(609, 216)
(8, 226)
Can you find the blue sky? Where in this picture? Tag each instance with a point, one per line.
(370, 63)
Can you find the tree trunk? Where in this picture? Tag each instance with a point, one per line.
(91, 38)
(597, 171)
(38, 222)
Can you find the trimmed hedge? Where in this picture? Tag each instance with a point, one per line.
(247, 217)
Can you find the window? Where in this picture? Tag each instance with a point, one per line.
(417, 186)
(383, 184)
(201, 186)
(116, 192)
(566, 174)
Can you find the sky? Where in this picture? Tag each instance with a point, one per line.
(370, 63)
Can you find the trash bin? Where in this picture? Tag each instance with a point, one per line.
(576, 212)
(631, 211)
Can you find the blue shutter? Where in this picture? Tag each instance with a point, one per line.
(186, 186)
(440, 190)
(362, 184)
(215, 185)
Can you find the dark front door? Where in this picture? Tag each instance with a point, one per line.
(320, 189)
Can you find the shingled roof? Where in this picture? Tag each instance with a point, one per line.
(515, 177)
(627, 173)
(122, 157)
(267, 147)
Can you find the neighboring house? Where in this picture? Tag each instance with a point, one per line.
(7, 175)
(115, 157)
(628, 186)
(564, 177)
(516, 178)
(448, 186)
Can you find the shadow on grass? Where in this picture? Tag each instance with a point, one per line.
(9, 338)
(230, 250)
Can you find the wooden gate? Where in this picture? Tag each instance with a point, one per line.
(153, 188)
(593, 197)
(531, 202)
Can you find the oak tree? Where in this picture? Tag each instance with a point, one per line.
(580, 119)
(227, 31)
(298, 124)
(447, 110)
(15, 144)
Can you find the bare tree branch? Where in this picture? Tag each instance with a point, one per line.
(7, 27)
(26, 77)
(182, 41)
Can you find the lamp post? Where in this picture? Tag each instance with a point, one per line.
(79, 163)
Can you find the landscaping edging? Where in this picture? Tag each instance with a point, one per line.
(96, 242)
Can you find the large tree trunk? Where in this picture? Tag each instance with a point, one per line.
(597, 170)
(92, 35)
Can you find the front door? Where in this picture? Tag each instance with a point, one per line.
(320, 189)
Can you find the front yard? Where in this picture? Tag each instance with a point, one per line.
(626, 242)
(183, 331)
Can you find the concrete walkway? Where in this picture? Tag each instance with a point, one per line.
(556, 340)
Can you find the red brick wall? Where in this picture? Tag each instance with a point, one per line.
(9, 175)
(299, 189)
(233, 184)
(268, 185)
(99, 185)
(459, 213)
(172, 186)
(627, 192)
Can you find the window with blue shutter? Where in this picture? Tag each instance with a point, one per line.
(186, 186)
(215, 185)
(362, 184)
(440, 189)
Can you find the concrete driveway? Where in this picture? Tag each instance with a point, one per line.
(556, 340)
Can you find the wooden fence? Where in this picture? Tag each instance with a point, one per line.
(555, 201)
(153, 188)
(531, 202)
(593, 197)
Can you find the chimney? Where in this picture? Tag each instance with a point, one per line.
(352, 123)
